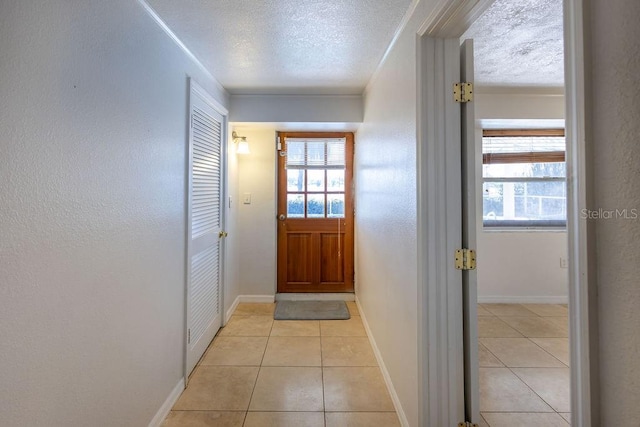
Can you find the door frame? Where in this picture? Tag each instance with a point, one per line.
(193, 86)
(441, 355)
(451, 19)
(349, 218)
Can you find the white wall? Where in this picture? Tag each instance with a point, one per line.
(93, 108)
(257, 221)
(296, 108)
(519, 266)
(231, 261)
(386, 265)
(522, 267)
(515, 106)
(386, 215)
(613, 116)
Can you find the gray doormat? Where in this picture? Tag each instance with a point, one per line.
(311, 310)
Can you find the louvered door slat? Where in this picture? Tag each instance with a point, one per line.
(205, 222)
(206, 159)
(204, 290)
(206, 216)
(201, 157)
(205, 123)
(202, 136)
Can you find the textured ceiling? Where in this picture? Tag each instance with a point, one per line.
(519, 43)
(286, 46)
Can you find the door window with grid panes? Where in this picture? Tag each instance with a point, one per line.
(315, 178)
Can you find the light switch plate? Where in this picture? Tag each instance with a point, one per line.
(246, 198)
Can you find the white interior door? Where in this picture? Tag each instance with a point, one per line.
(446, 215)
(439, 235)
(469, 277)
(205, 224)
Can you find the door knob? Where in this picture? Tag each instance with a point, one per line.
(222, 234)
(282, 217)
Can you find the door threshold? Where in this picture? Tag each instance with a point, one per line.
(343, 296)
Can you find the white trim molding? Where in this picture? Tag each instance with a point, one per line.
(231, 310)
(212, 101)
(439, 194)
(401, 27)
(451, 18)
(583, 314)
(168, 404)
(581, 237)
(264, 299)
(383, 368)
(257, 298)
(158, 20)
(316, 297)
(497, 299)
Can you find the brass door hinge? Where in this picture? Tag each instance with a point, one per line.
(465, 259)
(463, 92)
(467, 424)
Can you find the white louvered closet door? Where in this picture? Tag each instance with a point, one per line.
(205, 222)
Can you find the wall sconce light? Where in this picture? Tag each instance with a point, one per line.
(243, 145)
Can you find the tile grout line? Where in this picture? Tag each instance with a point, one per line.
(530, 388)
(500, 360)
(255, 382)
(536, 393)
(528, 338)
(533, 342)
(322, 366)
(543, 349)
(324, 401)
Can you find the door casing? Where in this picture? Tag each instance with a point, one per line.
(450, 20)
(315, 229)
(194, 87)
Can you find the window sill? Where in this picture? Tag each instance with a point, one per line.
(496, 229)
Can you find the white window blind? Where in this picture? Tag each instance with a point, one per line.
(316, 153)
(524, 181)
(522, 144)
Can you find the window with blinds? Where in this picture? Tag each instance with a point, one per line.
(524, 178)
(315, 177)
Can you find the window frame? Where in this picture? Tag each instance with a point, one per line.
(305, 166)
(522, 157)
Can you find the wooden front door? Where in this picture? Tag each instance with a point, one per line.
(315, 212)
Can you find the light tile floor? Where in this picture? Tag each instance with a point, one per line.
(260, 372)
(524, 364)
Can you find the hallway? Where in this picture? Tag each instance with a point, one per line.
(261, 372)
(94, 184)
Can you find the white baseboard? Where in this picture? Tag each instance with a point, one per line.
(316, 297)
(249, 299)
(383, 368)
(257, 298)
(496, 299)
(231, 310)
(168, 404)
